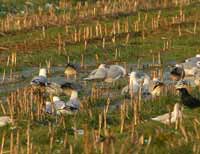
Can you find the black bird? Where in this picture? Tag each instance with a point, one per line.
(187, 99)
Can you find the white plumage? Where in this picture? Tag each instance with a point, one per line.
(167, 118)
(40, 80)
(4, 120)
(107, 73)
(61, 107)
(136, 81)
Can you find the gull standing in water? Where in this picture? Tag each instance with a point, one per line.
(170, 117)
(40, 80)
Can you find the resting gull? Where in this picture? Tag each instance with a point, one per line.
(137, 80)
(170, 117)
(115, 72)
(40, 80)
(98, 74)
(193, 59)
(107, 73)
(61, 107)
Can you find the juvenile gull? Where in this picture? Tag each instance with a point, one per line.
(157, 88)
(71, 70)
(177, 73)
(40, 80)
(167, 118)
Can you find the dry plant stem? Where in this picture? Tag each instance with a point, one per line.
(2, 143)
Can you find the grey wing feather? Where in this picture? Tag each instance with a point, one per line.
(114, 72)
(59, 105)
(74, 103)
(39, 80)
(48, 108)
(97, 74)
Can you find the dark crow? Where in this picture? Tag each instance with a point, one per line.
(187, 99)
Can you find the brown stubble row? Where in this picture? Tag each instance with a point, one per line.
(81, 12)
(28, 104)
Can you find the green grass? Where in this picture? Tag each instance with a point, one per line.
(164, 139)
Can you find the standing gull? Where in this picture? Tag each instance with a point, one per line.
(157, 88)
(170, 117)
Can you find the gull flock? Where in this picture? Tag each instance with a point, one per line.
(139, 83)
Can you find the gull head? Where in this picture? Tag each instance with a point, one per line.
(198, 55)
(48, 103)
(56, 98)
(132, 75)
(102, 66)
(176, 107)
(43, 72)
